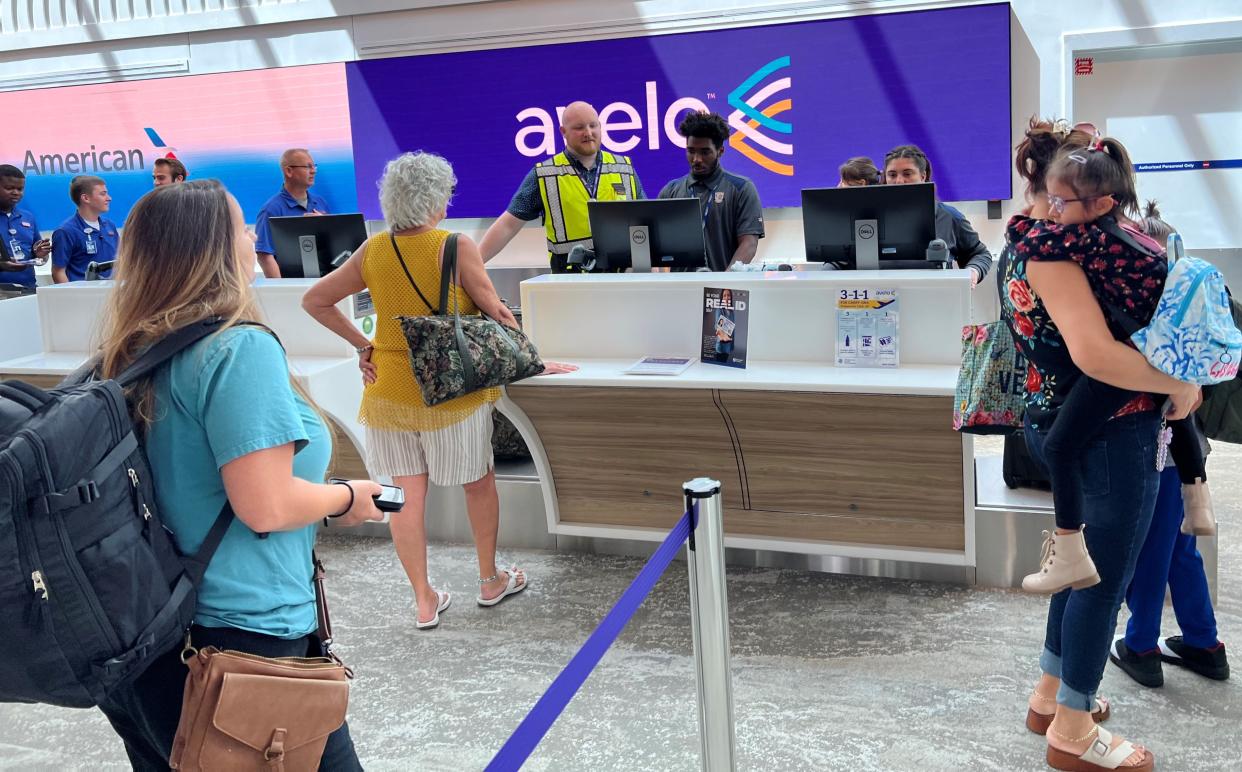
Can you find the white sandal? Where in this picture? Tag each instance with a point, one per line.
(444, 600)
(1100, 755)
(512, 588)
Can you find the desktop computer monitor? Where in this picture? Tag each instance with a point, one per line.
(878, 226)
(309, 247)
(654, 233)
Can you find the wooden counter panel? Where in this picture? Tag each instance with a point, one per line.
(619, 456)
(42, 381)
(862, 458)
(347, 459)
(805, 526)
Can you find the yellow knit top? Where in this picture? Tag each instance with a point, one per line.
(394, 401)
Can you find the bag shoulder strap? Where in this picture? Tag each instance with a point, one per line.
(413, 283)
(448, 273)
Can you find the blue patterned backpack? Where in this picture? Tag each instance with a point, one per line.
(1192, 336)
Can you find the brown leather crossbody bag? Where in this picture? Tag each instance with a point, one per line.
(246, 712)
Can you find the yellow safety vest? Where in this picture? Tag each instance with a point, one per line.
(565, 197)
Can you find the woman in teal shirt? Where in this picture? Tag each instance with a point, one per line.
(223, 420)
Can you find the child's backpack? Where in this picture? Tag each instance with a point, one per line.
(92, 588)
(1192, 336)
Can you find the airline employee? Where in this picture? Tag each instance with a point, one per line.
(21, 248)
(87, 236)
(907, 164)
(732, 214)
(293, 200)
(559, 188)
(166, 171)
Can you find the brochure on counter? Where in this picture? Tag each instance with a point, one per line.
(867, 328)
(726, 315)
(659, 366)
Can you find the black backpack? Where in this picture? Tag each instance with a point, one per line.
(1221, 412)
(92, 587)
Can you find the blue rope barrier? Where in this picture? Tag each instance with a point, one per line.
(539, 720)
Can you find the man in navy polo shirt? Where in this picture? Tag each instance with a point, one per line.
(732, 214)
(293, 200)
(21, 247)
(86, 237)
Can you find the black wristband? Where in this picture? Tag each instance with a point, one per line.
(348, 507)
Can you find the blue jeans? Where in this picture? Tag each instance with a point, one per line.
(1169, 557)
(145, 713)
(1120, 482)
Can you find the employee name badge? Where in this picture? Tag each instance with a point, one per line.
(867, 327)
(15, 249)
(90, 243)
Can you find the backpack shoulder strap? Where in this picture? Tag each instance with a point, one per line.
(1109, 225)
(175, 342)
(196, 564)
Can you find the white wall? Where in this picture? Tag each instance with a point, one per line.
(1155, 104)
(198, 36)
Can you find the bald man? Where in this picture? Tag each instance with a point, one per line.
(559, 188)
(295, 199)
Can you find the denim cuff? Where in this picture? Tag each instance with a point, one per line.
(1050, 663)
(1072, 698)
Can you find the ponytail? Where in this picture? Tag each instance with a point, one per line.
(1103, 168)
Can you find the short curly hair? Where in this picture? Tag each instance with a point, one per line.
(705, 126)
(415, 188)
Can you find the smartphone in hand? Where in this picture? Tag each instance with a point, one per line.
(390, 499)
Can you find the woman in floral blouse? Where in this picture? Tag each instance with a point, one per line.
(1058, 278)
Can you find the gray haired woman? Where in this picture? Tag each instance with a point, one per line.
(449, 443)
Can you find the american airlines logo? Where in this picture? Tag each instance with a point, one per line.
(92, 160)
(624, 126)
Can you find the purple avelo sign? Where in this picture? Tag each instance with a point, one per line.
(801, 99)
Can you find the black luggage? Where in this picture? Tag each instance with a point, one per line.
(1020, 469)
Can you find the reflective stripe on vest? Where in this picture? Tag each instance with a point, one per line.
(565, 197)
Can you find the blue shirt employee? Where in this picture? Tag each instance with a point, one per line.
(87, 236)
(293, 200)
(21, 246)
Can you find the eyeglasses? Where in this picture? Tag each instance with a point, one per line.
(302, 166)
(1056, 204)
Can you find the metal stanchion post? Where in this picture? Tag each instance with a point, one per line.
(709, 614)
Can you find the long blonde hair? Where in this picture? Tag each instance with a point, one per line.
(177, 264)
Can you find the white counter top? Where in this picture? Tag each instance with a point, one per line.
(65, 362)
(928, 380)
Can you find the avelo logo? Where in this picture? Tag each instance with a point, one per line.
(623, 126)
(748, 108)
(620, 125)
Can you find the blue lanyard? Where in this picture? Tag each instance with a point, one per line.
(707, 205)
(593, 186)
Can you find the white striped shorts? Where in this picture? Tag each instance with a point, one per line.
(454, 455)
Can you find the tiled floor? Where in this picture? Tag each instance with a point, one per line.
(830, 672)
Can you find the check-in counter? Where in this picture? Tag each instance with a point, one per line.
(823, 467)
(814, 458)
(66, 319)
